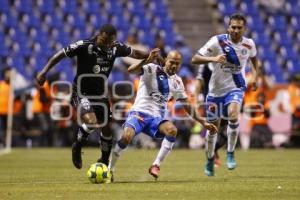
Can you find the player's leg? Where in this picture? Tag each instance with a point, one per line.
(168, 129)
(133, 125)
(89, 122)
(213, 116)
(221, 141)
(104, 117)
(129, 133)
(210, 145)
(232, 133)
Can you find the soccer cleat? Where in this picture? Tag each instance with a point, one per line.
(100, 160)
(231, 164)
(154, 170)
(111, 176)
(76, 155)
(209, 167)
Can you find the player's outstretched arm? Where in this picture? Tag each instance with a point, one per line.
(138, 54)
(41, 76)
(138, 68)
(198, 59)
(191, 110)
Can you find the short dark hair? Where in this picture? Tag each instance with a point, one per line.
(238, 16)
(108, 29)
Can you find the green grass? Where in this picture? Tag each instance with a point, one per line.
(49, 174)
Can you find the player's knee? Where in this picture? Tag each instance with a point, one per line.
(233, 116)
(90, 122)
(171, 131)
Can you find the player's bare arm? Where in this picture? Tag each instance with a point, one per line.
(191, 110)
(138, 54)
(199, 59)
(137, 68)
(255, 71)
(41, 76)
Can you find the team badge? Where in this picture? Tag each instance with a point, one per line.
(227, 49)
(244, 51)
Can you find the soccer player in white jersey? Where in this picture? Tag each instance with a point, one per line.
(228, 53)
(157, 86)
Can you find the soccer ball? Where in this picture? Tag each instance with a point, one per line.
(99, 173)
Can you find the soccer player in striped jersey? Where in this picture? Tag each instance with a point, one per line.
(158, 84)
(228, 54)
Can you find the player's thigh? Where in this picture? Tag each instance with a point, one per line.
(84, 110)
(167, 128)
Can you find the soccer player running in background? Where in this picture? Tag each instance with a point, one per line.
(158, 84)
(228, 54)
(95, 59)
(201, 90)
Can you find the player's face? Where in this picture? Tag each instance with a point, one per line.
(105, 41)
(236, 29)
(172, 65)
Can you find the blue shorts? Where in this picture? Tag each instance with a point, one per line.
(145, 123)
(217, 107)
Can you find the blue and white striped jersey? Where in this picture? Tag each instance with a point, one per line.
(231, 75)
(156, 88)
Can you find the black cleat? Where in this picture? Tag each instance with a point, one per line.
(100, 160)
(76, 155)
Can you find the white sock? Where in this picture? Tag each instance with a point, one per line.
(166, 146)
(118, 150)
(232, 134)
(210, 144)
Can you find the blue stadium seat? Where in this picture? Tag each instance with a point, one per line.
(227, 8)
(278, 22)
(4, 6)
(37, 41)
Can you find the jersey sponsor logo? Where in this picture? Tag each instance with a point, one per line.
(158, 97)
(96, 69)
(99, 60)
(104, 69)
(230, 68)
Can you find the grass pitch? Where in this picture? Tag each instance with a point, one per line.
(48, 174)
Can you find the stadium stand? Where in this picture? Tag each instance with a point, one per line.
(32, 30)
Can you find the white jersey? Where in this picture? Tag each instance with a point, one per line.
(231, 75)
(156, 88)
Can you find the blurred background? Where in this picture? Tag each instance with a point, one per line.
(32, 31)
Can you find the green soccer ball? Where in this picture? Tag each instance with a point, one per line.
(99, 173)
